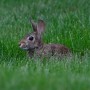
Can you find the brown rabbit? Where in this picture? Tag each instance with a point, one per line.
(34, 45)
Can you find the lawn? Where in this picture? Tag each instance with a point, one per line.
(67, 22)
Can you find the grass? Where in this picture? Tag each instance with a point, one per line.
(67, 22)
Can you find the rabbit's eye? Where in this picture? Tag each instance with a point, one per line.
(31, 38)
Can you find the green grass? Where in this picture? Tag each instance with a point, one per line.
(67, 22)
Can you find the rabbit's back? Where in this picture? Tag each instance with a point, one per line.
(53, 49)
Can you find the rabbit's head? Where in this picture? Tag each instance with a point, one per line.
(34, 39)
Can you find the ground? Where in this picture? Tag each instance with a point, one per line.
(67, 22)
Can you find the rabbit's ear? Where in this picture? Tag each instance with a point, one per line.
(40, 27)
(34, 25)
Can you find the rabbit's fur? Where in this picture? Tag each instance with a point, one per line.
(34, 45)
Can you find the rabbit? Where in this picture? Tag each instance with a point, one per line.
(34, 45)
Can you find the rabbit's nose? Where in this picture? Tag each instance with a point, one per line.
(19, 44)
